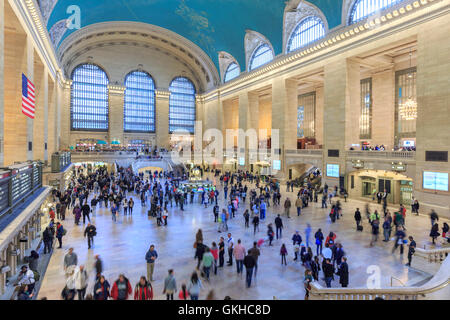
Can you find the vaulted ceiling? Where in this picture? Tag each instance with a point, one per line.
(213, 25)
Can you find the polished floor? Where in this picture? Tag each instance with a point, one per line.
(122, 246)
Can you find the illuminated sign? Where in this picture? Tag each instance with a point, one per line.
(435, 180)
(333, 170)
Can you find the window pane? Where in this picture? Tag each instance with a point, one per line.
(306, 114)
(261, 56)
(89, 99)
(405, 90)
(365, 119)
(307, 31)
(363, 8)
(232, 72)
(182, 105)
(139, 106)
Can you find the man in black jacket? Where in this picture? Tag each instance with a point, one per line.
(328, 271)
(86, 210)
(279, 226)
(357, 218)
(343, 273)
(90, 232)
(249, 263)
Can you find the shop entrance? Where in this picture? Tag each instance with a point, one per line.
(368, 187)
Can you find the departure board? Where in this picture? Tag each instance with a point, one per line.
(36, 175)
(4, 190)
(21, 183)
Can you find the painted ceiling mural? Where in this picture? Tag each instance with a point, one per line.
(213, 25)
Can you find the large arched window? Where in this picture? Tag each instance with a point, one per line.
(182, 105)
(232, 72)
(89, 99)
(139, 106)
(262, 55)
(364, 8)
(307, 31)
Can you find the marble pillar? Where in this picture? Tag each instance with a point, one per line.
(30, 76)
(162, 118)
(2, 79)
(116, 100)
(46, 116)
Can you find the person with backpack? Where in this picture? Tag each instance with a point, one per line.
(319, 241)
(121, 288)
(143, 290)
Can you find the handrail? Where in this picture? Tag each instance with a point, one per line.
(439, 281)
(394, 278)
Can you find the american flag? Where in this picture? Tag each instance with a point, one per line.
(28, 97)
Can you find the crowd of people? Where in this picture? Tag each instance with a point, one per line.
(245, 196)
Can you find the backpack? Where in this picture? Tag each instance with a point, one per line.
(37, 276)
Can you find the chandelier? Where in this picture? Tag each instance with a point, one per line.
(408, 110)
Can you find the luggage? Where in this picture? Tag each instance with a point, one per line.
(360, 228)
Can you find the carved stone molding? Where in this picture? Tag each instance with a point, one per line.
(296, 12)
(252, 41)
(143, 34)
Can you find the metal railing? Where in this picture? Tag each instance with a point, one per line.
(403, 155)
(438, 282)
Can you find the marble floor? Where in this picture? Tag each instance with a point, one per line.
(122, 246)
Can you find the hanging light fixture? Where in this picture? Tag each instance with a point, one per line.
(408, 109)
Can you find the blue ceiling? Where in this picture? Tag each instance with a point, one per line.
(213, 25)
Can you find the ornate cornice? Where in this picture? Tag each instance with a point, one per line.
(145, 33)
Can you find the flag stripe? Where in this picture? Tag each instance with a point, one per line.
(28, 97)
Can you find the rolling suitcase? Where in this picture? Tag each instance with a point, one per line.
(360, 228)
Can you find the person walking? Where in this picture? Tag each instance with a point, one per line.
(270, 233)
(287, 207)
(215, 253)
(81, 281)
(433, 217)
(298, 205)
(386, 229)
(328, 271)
(357, 218)
(399, 239)
(283, 253)
(170, 285)
(255, 253)
(249, 263)
(279, 227)
(101, 289)
(255, 222)
(194, 287)
(319, 241)
(239, 255)
(90, 232)
(247, 219)
(207, 262)
(70, 261)
(121, 288)
(60, 232)
(308, 230)
(151, 257)
(434, 233)
(86, 210)
(375, 230)
(221, 252)
(143, 290)
(230, 246)
(343, 273)
(411, 250)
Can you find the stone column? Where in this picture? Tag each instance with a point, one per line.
(248, 119)
(58, 110)
(383, 108)
(341, 113)
(433, 96)
(46, 122)
(116, 100)
(12, 259)
(64, 107)
(30, 75)
(3, 262)
(284, 117)
(319, 116)
(2, 79)
(162, 118)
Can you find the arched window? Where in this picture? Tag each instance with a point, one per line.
(139, 106)
(307, 31)
(364, 8)
(182, 105)
(89, 99)
(262, 55)
(232, 72)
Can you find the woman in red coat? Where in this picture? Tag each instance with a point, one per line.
(121, 288)
(143, 290)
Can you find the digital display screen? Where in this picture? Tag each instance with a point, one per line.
(408, 143)
(276, 164)
(4, 194)
(333, 170)
(242, 161)
(435, 180)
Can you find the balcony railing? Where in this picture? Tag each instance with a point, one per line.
(439, 281)
(397, 155)
(306, 152)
